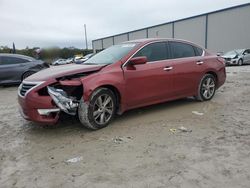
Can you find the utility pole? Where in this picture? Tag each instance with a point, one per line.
(86, 40)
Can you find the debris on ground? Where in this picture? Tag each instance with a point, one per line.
(184, 129)
(74, 160)
(77, 174)
(173, 130)
(180, 129)
(198, 113)
(119, 140)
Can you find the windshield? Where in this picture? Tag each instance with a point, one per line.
(234, 52)
(111, 54)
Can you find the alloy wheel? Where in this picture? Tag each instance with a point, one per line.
(103, 109)
(208, 88)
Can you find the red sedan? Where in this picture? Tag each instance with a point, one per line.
(125, 76)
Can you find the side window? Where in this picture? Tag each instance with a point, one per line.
(6, 60)
(12, 60)
(154, 52)
(180, 50)
(247, 52)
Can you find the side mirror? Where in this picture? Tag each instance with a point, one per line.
(138, 60)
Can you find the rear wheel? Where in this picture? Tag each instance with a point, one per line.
(27, 74)
(207, 88)
(100, 111)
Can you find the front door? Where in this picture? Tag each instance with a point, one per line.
(151, 82)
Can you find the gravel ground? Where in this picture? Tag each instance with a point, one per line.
(141, 148)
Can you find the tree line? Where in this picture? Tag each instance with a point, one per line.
(47, 53)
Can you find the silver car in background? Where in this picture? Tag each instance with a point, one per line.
(59, 62)
(237, 57)
(81, 60)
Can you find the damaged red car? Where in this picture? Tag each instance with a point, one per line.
(122, 77)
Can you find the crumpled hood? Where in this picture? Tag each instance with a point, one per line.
(62, 70)
(229, 56)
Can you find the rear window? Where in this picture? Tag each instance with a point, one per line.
(181, 50)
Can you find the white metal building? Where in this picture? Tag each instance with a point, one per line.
(218, 31)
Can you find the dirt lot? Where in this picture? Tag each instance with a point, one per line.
(138, 149)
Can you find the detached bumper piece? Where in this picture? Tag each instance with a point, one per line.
(66, 103)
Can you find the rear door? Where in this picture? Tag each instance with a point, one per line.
(11, 69)
(151, 82)
(187, 62)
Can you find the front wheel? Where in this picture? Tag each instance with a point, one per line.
(240, 62)
(100, 111)
(207, 88)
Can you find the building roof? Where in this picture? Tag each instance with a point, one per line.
(204, 14)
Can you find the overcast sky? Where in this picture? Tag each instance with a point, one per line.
(61, 22)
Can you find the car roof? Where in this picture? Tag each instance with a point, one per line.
(148, 40)
(17, 55)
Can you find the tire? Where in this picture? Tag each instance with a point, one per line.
(27, 74)
(206, 88)
(240, 62)
(98, 113)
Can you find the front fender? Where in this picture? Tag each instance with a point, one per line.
(95, 81)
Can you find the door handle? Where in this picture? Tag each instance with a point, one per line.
(168, 68)
(199, 62)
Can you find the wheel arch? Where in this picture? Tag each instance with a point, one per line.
(22, 76)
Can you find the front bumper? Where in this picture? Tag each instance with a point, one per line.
(41, 109)
(231, 62)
